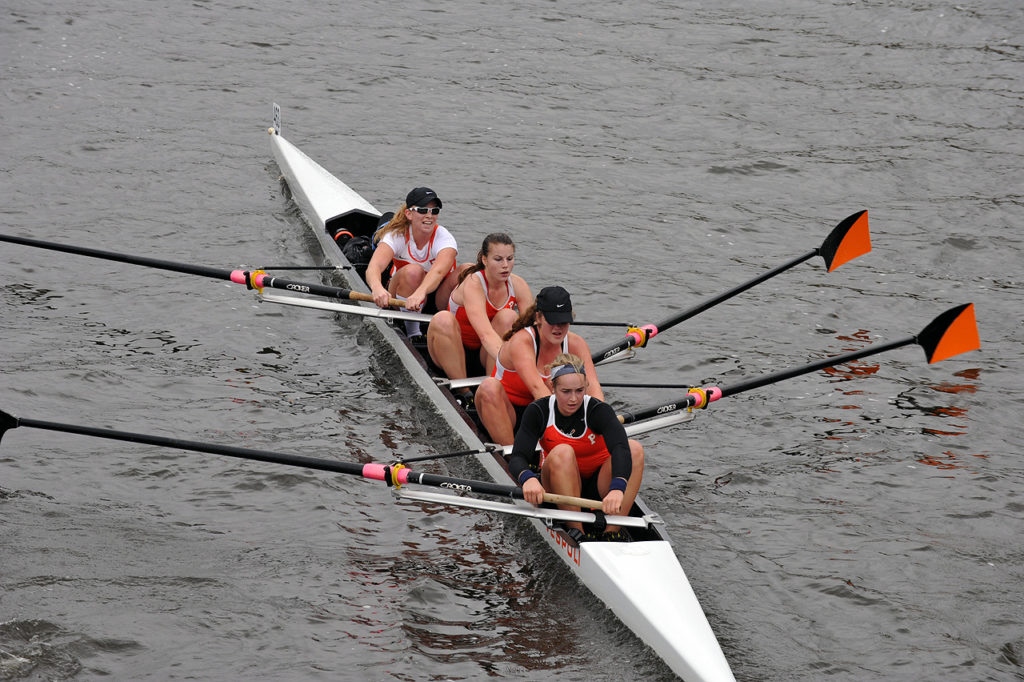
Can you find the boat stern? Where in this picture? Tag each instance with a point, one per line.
(645, 586)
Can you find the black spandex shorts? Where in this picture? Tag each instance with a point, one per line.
(588, 488)
(473, 366)
(519, 415)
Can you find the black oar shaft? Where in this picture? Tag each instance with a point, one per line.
(305, 287)
(203, 271)
(444, 455)
(738, 289)
(634, 339)
(694, 399)
(211, 448)
(238, 276)
(831, 361)
(371, 471)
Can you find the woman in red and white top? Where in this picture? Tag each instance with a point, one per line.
(483, 306)
(414, 238)
(584, 448)
(540, 334)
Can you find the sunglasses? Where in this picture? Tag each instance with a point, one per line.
(424, 210)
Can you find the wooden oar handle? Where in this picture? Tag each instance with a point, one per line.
(359, 296)
(573, 501)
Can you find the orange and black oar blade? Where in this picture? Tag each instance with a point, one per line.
(951, 333)
(847, 241)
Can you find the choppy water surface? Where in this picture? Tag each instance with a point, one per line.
(859, 523)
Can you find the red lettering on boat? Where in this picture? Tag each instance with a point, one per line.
(571, 551)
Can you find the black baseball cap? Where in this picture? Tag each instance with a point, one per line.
(556, 305)
(421, 196)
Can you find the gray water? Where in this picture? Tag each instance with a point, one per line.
(856, 524)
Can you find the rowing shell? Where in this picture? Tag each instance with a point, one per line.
(642, 582)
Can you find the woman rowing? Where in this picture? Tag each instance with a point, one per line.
(584, 448)
(414, 238)
(540, 334)
(481, 309)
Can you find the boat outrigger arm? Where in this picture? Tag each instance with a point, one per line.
(549, 516)
(349, 309)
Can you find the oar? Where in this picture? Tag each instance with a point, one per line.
(848, 240)
(636, 384)
(253, 279)
(392, 475)
(304, 267)
(951, 333)
(488, 447)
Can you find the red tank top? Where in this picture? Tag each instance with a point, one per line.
(515, 389)
(470, 339)
(588, 446)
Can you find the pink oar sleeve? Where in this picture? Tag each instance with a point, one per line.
(376, 472)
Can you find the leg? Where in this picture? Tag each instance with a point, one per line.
(561, 476)
(406, 280)
(495, 411)
(501, 323)
(403, 283)
(447, 286)
(632, 485)
(444, 341)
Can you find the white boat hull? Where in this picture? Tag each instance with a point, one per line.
(641, 582)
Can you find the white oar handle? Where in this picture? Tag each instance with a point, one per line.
(360, 296)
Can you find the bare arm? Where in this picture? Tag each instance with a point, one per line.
(579, 347)
(474, 300)
(382, 257)
(524, 363)
(524, 297)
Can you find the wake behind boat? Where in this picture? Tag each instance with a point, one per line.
(642, 582)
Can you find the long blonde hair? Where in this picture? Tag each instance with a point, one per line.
(399, 223)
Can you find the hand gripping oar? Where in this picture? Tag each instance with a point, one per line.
(848, 240)
(255, 279)
(396, 475)
(951, 333)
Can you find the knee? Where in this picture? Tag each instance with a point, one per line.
(443, 323)
(636, 451)
(504, 320)
(487, 392)
(411, 275)
(561, 457)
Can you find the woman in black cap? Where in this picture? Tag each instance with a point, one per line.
(538, 336)
(414, 238)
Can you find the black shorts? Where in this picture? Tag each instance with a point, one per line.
(429, 304)
(589, 489)
(519, 409)
(474, 368)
